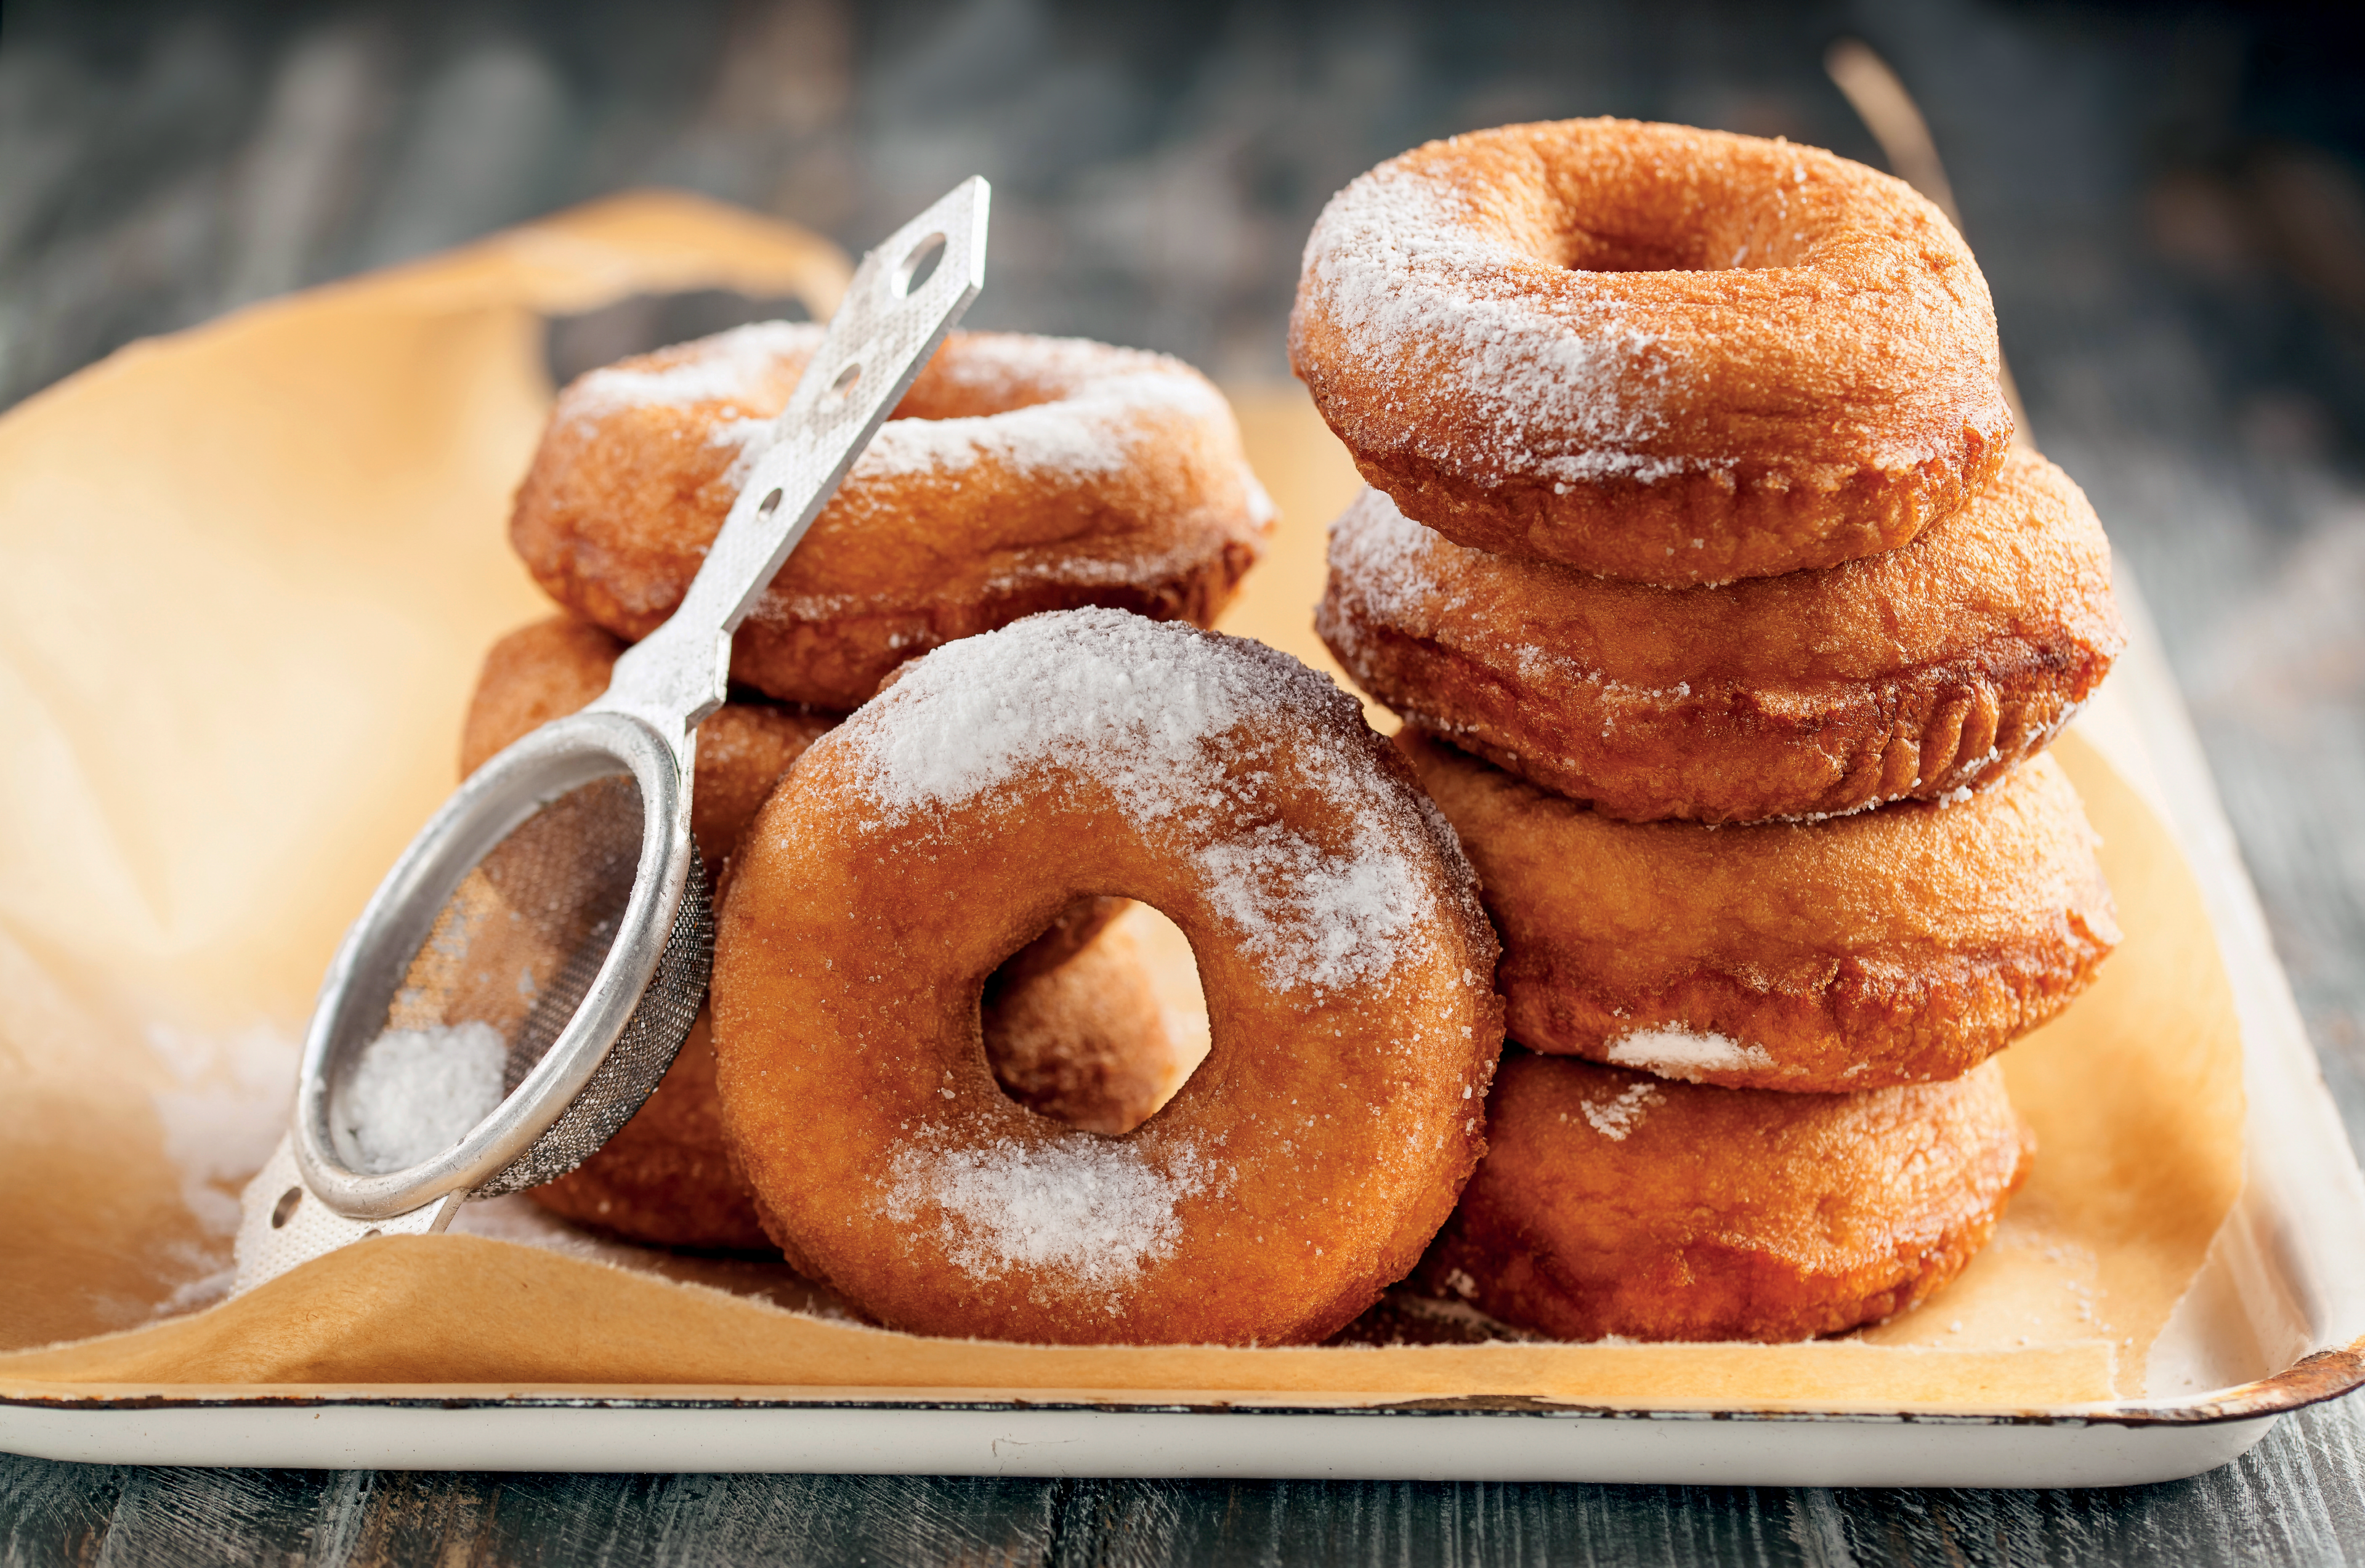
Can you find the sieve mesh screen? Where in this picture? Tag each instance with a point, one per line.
(517, 948)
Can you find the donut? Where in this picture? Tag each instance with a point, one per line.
(554, 666)
(1905, 676)
(1893, 946)
(1347, 966)
(1086, 1046)
(1658, 353)
(1614, 1203)
(1019, 474)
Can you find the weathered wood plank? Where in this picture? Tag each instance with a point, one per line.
(2299, 1498)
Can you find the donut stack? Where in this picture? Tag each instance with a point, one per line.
(1729, 630)
(1019, 475)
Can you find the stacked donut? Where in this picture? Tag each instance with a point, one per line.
(1730, 629)
(1019, 475)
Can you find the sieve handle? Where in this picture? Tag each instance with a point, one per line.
(883, 334)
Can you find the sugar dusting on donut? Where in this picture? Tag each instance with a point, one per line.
(1091, 1209)
(1408, 283)
(1164, 714)
(1683, 1053)
(1091, 426)
(728, 365)
(1093, 431)
(1613, 1119)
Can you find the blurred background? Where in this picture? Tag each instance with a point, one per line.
(2169, 201)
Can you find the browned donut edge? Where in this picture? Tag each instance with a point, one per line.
(1676, 1277)
(1642, 532)
(1872, 1017)
(842, 660)
(1726, 751)
(1872, 1024)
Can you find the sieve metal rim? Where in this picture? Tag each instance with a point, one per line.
(495, 800)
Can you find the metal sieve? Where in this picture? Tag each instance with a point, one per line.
(557, 898)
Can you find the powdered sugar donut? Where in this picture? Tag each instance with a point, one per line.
(1020, 473)
(1910, 675)
(1891, 947)
(1672, 355)
(1347, 966)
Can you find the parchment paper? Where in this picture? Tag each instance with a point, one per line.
(248, 571)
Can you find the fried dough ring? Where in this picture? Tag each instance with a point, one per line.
(1666, 354)
(1910, 675)
(1613, 1202)
(1893, 946)
(1070, 1026)
(1345, 960)
(1020, 473)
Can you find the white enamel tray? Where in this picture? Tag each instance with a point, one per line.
(2276, 1320)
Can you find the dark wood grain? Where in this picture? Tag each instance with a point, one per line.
(2164, 199)
(2299, 1498)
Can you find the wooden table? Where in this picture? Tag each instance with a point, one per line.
(2167, 205)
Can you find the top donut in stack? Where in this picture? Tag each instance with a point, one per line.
(1695, 514)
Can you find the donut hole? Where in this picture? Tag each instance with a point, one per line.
(1655, 226)
(983, 379)
(1101, 1036)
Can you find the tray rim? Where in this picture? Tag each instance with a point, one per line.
(2314, 1379)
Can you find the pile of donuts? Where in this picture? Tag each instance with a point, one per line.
(1020, 475)
(1729, 630)
(1728, 627)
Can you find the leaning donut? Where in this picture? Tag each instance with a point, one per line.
(1908, 675)
(1892, 947)
(1610, 1203)
(1070, 1026)
(1020, 473)
(1666, 354)
(1347, 966)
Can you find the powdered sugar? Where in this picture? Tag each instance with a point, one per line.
(415, 1093)
(1680, 1053)
(729, 366)
(1185, 729)
(1565, 387)
(1615, 1118)
(1089, 1209)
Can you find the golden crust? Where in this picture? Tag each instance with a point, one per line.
(1070, 1024)
(1080, 1042)
(1659, 354)
(1612, 1203)
(1908, 675)
(1020, 473)
(1303, 1165)
(553, 667)
(1893, 946)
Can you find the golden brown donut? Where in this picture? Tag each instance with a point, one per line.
(556, 666)
(1345, 960)
(1613, 1202)
(1893, 946)
(1085, 1047)
(1908, 675)
(1019, 474)
(1659, 354)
